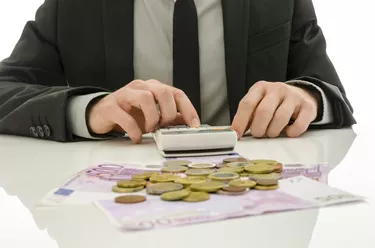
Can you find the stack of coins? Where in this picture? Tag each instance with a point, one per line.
(182, 180)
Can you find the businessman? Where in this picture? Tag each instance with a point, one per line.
(90, 69)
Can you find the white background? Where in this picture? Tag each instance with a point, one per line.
(349, 28)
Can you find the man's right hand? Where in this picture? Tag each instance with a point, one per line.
(133, 109)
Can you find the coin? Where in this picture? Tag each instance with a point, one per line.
(129, 199)
(234, 188)
(260, 168)
(202, 166)
(242, 183)
(176, 163)
(223, 192)
(264, 161)
(236, 159)
(175, 195)
(197, 197)
(154, 166)
(174, 169)
(220, 165)
(224, 176)
(237, 164)
(244, 174)
(160, 188)
(231, 169)
(132, 183)
(265, 179)
(144, 175)
(163, 178)
(210, 186)
(118, 189)
(190, 180)
(199, 172)
(278, 167)
(271, 187)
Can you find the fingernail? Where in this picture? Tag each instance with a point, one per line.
(238, 135)
(195, 123)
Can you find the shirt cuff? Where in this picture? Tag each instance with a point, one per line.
(327, 116)
(77, 107)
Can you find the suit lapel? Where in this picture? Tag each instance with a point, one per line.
(236, 25)
(118, 40)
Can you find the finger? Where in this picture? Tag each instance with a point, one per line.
(127, 123)
(186, 108)
(179, 120)
(281, 117)
(164, 97)
(305, 116)
(246, 109)
(264, 113)
(145, 101)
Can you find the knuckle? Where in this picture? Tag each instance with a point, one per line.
(179, 93)
(247, 103)
(263, 112)
(135, 83)
(153, 81)
(146, 95)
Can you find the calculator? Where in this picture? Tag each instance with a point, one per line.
(184, 141)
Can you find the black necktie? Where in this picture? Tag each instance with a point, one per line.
(186, 51)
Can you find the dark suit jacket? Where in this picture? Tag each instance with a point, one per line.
(85, 46)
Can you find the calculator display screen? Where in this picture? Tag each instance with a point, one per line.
(192, 131)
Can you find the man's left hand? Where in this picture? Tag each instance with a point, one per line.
(268, 107)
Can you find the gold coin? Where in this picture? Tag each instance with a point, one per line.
(231, 169)
(177, 163)
(234, 188)
(270, 187)
(237, 159)
(264, 161)
(190, 180)
(223, 192)
(244, 183)
(238, 164)
(117, 189)
(210, 186)
(197, 197)
(129, 199)
(244, 174)
(144, 175)
(160, 188)
(163, 178)
(131, 183)
(199, 172)
(265, 179)
(174, 169)
(202, 166)
(260, 168)
(175, 195)
(224, 176)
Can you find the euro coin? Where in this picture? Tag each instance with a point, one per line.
(175, 195)
(259, 169)
(190, 180)
(231, 169)
(223, 192)
(220, 165)
(202, 166)
(270, 187)
(131, 183)
(242, 183)
(199, 172)
(144, 175)
(244, 174)
(163, 178)
(210, 186)
(196, 197)
(174, 169)
(278, 168)
(236, 159)
(234, 188)
(265, 179)
(117, 189)
(160, 188)
(238, 164)
(130, 199)
(177, 163)
(223, 176)
(264, 161)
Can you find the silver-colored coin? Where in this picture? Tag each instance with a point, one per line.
(202, 166)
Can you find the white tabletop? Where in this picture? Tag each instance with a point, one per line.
(29, 168)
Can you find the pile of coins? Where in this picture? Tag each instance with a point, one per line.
(182, 180)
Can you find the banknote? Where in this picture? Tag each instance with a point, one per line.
(95, 182)
(295, 193)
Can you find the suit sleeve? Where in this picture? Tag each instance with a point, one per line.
(308, 61)
(34, 93)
